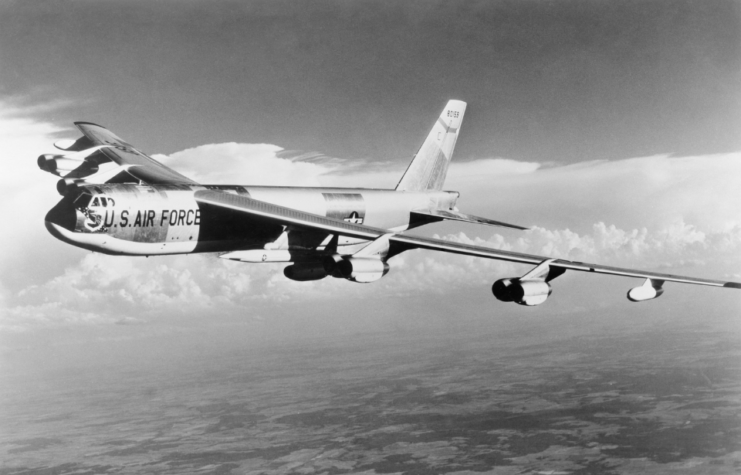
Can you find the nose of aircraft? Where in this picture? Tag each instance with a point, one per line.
(62, 215)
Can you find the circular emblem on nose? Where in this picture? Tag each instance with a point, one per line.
(93, 220)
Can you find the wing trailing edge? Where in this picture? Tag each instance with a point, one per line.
(452, 215)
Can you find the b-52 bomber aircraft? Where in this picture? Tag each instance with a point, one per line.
(117, 200)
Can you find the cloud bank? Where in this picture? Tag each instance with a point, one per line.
(663, 213)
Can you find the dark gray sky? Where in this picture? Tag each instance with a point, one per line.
(560, 81)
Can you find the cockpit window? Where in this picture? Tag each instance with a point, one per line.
(83, 201)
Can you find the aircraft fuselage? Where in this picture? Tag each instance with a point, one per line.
(127, 219)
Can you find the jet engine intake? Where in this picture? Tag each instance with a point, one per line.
(67, 185)
(63, 165)
(60, 165)
(304, 272)
(330, 265)
(527, 293)
(362, 270)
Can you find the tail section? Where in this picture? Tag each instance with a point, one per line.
(430, 165)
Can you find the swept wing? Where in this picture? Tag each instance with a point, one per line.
(137, 164)
(290, 216)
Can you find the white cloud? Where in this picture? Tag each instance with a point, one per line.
(650, 192)
(27, 194)
(108, 289)
(271, 165)
(235, 163)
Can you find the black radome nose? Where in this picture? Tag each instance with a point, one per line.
(63, 214)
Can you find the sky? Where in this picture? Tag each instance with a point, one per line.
(611, 128)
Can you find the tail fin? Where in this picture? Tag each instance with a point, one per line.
(430, 165)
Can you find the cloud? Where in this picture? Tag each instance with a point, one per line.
(651, 192)
(271, 165)
(235, 163)
(22, 140)
(106, 289)
(27, 251)
(676, 248)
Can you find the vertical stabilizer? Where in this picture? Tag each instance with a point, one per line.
(430, 165)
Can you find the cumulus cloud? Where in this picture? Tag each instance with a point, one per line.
(676, 248)
(663, 213)
(27, 194)
(108, 289)
(651, 192)
(239, 163)
(271, 165)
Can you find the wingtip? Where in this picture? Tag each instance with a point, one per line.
(512, 226)
(732, 285)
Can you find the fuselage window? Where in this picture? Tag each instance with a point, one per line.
(101, 201)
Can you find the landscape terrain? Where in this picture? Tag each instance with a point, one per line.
(557, 396)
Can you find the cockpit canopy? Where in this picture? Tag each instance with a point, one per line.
(89, 200)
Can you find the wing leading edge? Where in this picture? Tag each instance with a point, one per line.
(290, 216)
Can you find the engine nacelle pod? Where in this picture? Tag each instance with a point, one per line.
(305, 272)
(526, 293)
(67, 185)
(44, 161)
(330, 265)
(58, 164)
(362, 270)
(504, 289)
(61, 165)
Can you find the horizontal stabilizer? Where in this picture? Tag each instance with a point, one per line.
(440, 215)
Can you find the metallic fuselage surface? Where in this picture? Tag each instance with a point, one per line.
(166, 219)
